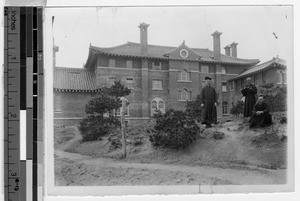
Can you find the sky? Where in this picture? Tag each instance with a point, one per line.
(262, 32)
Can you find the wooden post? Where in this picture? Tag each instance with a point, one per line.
(123, 126)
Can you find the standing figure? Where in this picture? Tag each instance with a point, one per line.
(249, 92)
(260, 114)
(208, 104)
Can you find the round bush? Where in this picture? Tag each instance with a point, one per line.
(95, 127)
(175, 129)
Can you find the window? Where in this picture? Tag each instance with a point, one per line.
(157, 104)
(225, 107)
(284, 77)
(157, 85)
(231, 85)
(224, 71)
(184, 76)
(281, 77)
(184, 53)
(224, 87)
(57, 103)
(126, 112)
(111, 80)
(255, 80)
(129, 82)
(111, 63)
(156, 65)
(264, 78)
(242, 83)
(128, 64)
(185, 95)
(205, 69)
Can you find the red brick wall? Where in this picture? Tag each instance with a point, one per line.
(70, 104)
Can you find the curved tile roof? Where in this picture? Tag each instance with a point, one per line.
(78, 79)
(275, 62)
(131, 49)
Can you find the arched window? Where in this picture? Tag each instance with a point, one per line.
(225, 107)
(185, 95)
(184, 76)
(157, 104)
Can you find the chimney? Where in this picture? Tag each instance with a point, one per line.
(144, 37)
(227, 50)
(234, 50)
(217, 45)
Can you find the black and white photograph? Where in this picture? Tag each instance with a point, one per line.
(171, 97)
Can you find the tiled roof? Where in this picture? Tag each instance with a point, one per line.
(74, 79)
(156, 51)
(275, 62)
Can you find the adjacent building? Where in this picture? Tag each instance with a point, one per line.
(270, 72)
(160, 77)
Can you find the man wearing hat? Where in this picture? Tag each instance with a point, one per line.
(209, 103)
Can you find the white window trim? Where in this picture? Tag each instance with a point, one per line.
(189, 93)
(184, 50)
(154, 66)
(188, 73)
(225, 86)
(203, 68)
(160, 85)
(157, 100)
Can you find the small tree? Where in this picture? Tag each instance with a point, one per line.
(100, 119)
(238, 108)
(174, 129)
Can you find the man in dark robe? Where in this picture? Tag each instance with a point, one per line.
(209, 103)
(249, 91)
(261, 116)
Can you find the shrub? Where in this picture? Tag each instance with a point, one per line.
(238, 108)
(174, 129)
(194, 109)
(95, 127)
(276, 97)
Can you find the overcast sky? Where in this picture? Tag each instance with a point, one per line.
(263, 32)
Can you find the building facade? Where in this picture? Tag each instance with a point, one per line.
(160, 77)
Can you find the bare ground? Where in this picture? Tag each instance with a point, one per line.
(233, 160)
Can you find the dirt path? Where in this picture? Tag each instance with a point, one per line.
(77, 169)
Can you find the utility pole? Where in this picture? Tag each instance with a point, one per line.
(123, 126)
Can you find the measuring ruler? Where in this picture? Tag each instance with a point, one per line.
(23, 103)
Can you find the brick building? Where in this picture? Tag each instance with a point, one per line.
(160, 77)
(272, 71)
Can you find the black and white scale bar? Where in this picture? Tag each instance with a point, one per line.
(12, 103)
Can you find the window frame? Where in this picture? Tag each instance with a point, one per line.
(225, 70)
(224, 84)
(155, 67)
(157, 100)
(188, 95)
(129, 85)
(153, 84)
(188, 76)
(202, 69)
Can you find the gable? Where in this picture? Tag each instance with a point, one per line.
(183, 52)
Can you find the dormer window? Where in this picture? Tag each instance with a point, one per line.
(156, 65)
